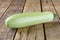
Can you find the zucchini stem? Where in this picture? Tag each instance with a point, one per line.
(55, 16)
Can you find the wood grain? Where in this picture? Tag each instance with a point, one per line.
(56, 4)
(52, 28)
(15, 7)
(34, 32)
(4, 5)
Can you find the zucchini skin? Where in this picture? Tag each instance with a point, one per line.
(28, 19)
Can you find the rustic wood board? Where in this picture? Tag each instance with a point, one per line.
(56, 4)
(34, 32)
(4, 5)
(52, 28)
(5, 32)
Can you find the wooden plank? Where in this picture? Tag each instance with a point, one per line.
(52, 28)
(8, 33)
(56, 4)
(4, 4)
(34, 32)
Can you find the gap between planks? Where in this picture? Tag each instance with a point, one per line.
(4, 6)
(17, 28)
(43, 23)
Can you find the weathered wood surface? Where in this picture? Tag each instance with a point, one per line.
(34, 32)
(4, 5)
(15, 7)
(53, 28)
(56, 4)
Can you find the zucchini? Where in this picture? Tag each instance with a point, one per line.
(28, 19)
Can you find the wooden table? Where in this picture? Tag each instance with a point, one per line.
(47, 31)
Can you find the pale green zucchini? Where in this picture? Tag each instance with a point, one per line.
(28, 19)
